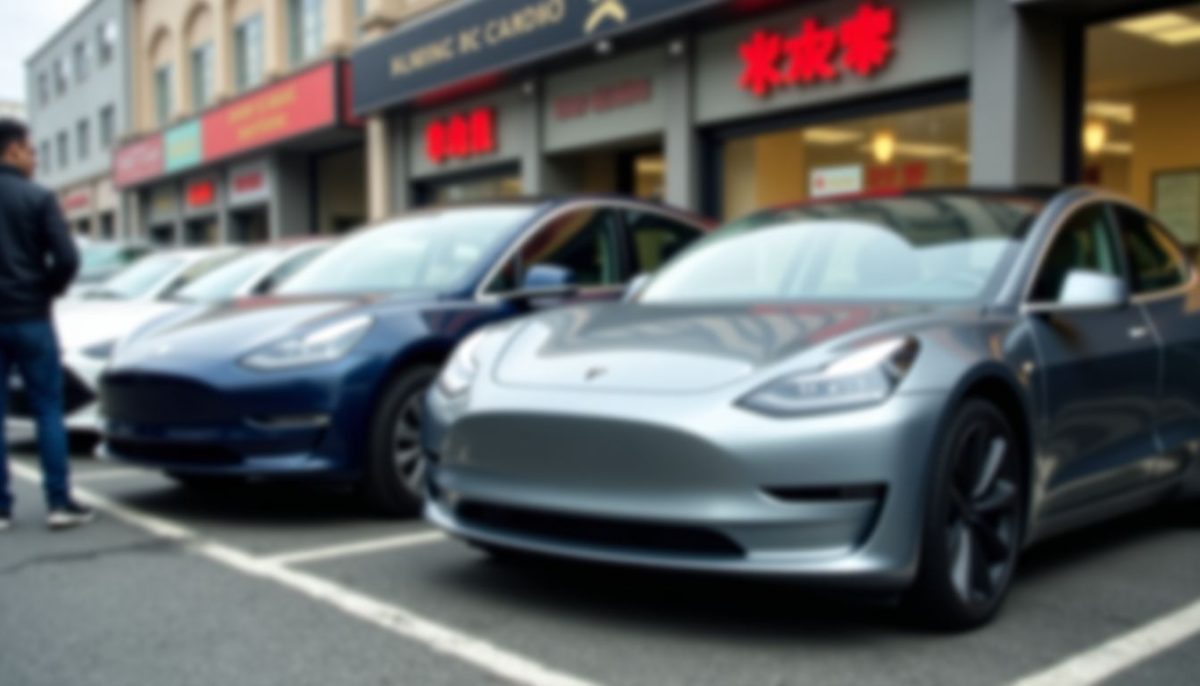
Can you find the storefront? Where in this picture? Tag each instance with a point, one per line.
(285, 160)
(91, 208)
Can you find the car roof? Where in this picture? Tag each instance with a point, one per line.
(550, 202)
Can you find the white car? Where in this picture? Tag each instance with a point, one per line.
(158, 285)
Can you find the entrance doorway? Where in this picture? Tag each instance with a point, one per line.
(639, 172)
(250, 226)
(199, 232)
(162, 235)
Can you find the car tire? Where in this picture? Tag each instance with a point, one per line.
(394, 480)
(974, 521)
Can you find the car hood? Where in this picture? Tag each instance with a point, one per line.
(84, 323)
(683, 349)
(232, 329)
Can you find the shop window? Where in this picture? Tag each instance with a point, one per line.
(1086, 242)
(1155, 261)
(655, 239)
(583, 241)
(902, 150)
(1142, 101)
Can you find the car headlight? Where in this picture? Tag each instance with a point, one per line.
(326, 344)
(100, 351)
(460, 371)
(863, 377)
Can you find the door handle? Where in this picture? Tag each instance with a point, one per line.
(1138, 332)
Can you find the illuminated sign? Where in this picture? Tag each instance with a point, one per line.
(301, 104)
(461, 136)
(861, 43)
(480, 38)
(201, 193)
(604, 99)
(138, 161)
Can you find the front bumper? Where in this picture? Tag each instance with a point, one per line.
(689, 484)
(290, 425)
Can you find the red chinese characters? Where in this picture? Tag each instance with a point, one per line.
(862, 43)
(461, 136)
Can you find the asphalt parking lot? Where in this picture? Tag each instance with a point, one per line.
(272, 585)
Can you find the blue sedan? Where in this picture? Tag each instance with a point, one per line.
(326, 378)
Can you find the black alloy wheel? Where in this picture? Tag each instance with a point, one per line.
(973, 528)
(394, 481)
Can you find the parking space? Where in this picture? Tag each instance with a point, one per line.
(288, 585)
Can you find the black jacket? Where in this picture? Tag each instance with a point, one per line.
(38, 258)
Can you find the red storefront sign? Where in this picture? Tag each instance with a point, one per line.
(76, 201)
(604, 99)
(248, 182)
(461, 136)
(138, 161)
(201, 193)
(862, 44)
(301, 104)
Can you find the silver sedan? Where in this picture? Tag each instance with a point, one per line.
(897, 393)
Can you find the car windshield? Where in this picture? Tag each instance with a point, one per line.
(138, 279)
(428, 252)
(225, 281)
(96, 259)
(920, 248)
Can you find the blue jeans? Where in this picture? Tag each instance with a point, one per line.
(31, 349)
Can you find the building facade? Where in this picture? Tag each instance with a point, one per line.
(243, 130)
(77, 95)
(12, 109)
(725, 107)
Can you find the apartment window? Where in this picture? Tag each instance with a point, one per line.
(44, 156)
(83, 139)
(106, 40)
(81, 61)
(108, 126)
(248, 52)
(202, 76)
(62, 74)
(306, 27)
(64, 153)
(360, 13)
(162, 94)
(43, 83)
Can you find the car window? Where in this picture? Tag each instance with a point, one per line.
(1156, 263)
(201, 267)
(225, 282)
(138, 279)
(287, 268)
(583, 241)
(656, 239)
(1084, 242)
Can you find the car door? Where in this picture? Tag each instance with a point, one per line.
(1100, 370)
(1161, 280)
(585, 240)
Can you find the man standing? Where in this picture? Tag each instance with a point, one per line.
(38, 260)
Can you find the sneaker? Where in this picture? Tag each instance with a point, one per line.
(71, 515)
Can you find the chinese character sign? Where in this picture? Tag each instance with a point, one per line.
(861, 44)
(461, 136)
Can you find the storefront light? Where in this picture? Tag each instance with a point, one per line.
(883, 146)
(1095, 135)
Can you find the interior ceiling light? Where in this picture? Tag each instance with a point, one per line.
(883, 146)
(1120, 112)
(1168, 28)
(1117, 148)
(906, 149)
(828, 136)
(1095, 135)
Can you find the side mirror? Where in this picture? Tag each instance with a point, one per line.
(1085, 289)
(636, 286)
(546, 281)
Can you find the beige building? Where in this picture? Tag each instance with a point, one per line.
(242, 123)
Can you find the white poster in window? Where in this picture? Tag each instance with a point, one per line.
(826, 182)
(1177, 203)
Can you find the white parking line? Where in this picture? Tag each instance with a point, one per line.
(394, 618)
(358, 548)
(1118, 654)
(106, 474)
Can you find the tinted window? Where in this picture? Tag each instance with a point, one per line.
(1084, 242)
(583, 241)
(224, 283)
(656, 239)
(139, 278)
(935, 248)
(1156, 263)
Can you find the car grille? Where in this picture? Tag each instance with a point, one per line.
(607, 533)
(160, 399)
(173, 452)
(75, 395)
